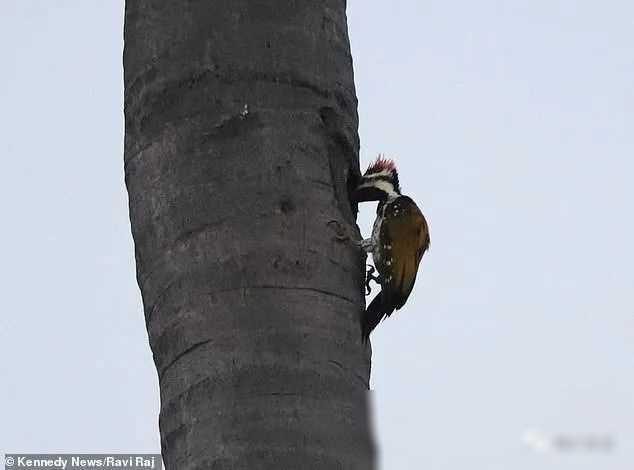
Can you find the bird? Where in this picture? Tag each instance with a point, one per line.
(400, 238)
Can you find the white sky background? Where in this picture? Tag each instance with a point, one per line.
(511, 122)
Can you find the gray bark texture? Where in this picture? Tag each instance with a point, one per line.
(241, 147)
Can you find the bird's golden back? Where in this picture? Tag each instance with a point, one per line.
(405, 237)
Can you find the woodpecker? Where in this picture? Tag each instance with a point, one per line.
(400, 237)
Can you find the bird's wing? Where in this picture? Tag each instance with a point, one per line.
(407, 236)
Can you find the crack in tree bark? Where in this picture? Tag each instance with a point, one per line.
(182, 354)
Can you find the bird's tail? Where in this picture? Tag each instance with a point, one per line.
(376, 311)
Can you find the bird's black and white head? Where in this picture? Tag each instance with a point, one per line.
(379, 183)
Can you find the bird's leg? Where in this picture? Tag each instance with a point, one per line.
(366, 245)
(341, 234)
(369, 277)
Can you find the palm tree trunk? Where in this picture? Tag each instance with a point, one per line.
(240, 147)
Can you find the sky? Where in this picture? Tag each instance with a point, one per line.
(511, 123)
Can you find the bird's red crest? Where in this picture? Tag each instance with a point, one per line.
(381, 164)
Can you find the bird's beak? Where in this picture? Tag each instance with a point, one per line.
(365, 193)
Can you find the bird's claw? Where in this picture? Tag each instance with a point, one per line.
(369, 277)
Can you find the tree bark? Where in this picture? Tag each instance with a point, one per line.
(241, 146)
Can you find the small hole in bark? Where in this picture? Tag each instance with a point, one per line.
(286, 206)
(268, 44)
